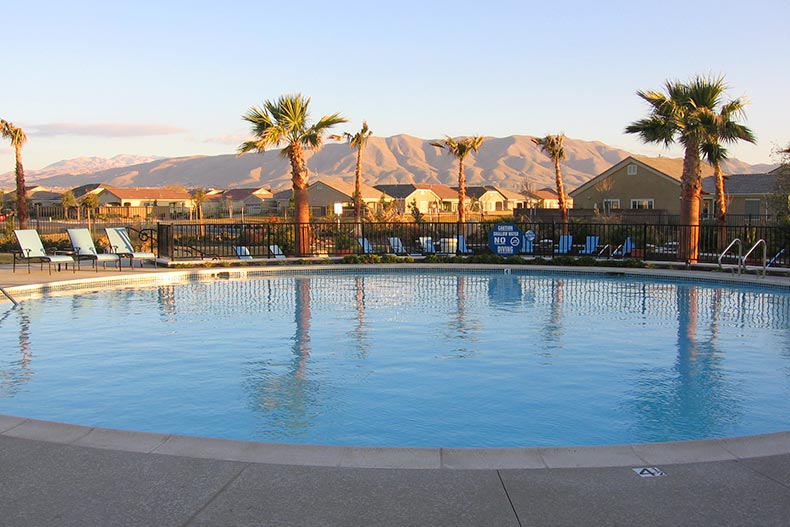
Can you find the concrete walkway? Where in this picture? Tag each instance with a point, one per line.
(64, 475)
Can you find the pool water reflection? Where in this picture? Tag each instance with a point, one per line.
(417, 358)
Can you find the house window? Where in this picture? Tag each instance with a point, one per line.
(752, 207)
(631, 170)
(610, 204)
(707, 209)
(642, 204)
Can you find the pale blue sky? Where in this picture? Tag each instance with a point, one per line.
(172, 78)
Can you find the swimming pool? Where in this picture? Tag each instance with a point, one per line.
(475, 358)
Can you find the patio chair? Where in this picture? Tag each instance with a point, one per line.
(121, 244)
(566, 242)
(242, 252)
(426, 245)
(84, 249)
(625, 249)
(367, 248)
(276, 252)
(461, 247)
(591, 245)
(31, 248)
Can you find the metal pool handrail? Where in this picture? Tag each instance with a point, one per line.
(750, 251)
(736, 241)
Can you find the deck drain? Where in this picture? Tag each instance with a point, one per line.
(649, 472)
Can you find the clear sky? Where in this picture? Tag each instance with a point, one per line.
(172, 78)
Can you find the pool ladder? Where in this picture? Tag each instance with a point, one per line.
(741, 261)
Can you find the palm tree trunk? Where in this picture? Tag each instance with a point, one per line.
(461, 191)
(358, 187)
(561, 193)
(721, 207)
(690, 192)
(21, 201)
(301, 200)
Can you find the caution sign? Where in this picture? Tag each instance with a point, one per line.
(504, 239)
(649, 472)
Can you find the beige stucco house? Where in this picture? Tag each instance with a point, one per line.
(324, 193)
(747, 194)
(636, 182)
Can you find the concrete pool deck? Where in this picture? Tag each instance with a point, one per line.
(60, 474)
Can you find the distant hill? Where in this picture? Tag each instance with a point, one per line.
(508, 162)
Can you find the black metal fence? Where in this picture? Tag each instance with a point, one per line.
(189, 241)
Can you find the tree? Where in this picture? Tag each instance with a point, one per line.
(198, 198)
(689, 114)
(460, 148)
(726, 131)
(552, 146)
(779, 200)
(286, 121)
(67, 200)
(90, 202)
(358, 141)
(18, 139)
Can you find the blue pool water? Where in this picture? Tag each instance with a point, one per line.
(417, 358)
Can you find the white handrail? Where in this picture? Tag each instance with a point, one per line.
(750, 251)
(736, 241)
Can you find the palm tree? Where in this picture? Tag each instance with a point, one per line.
(17, 138)
(286, 121)
(460, 148)
(552, 146)
(358, 141)
(727, 131)
(688, 113)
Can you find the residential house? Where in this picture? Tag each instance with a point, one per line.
(237, 201)
(636, 182)
(747, 194)
(425, 199)
(165, 202)
(324, 193)
(545, 198)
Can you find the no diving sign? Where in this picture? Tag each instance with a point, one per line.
(504, 239)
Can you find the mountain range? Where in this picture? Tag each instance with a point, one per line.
(510, 162)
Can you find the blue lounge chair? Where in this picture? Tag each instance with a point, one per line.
(590, 245)
(426, 245)
(566, 242)
(367, 248)
(121, 244)
(31, 248)
(84, 249)
(625, 249)
(462, 248)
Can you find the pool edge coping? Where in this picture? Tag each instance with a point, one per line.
(627, 455)
(634, 455)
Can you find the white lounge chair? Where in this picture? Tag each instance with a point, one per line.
(243, 252)
(275, 251)
(121, 244)
(31, 248)
(84, 249)
(462, 248)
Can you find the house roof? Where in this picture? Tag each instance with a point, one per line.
(510, 194)
(478, 192)
(240, 194)
(546, 193)
(443, 191)
(398, 191)
(346, 188)
(149, 193)
(742, 184)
